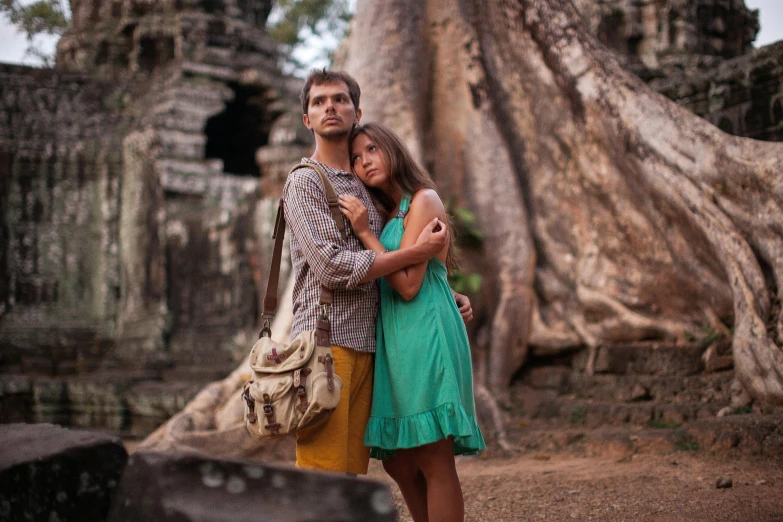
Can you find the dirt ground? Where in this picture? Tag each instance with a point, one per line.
(676, 487)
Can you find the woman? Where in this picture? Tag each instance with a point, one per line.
(423, 410)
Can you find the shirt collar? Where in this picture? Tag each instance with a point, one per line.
(327, 168)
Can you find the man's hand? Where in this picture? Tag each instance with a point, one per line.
(434, 236)
(353, 208)
(463, 303)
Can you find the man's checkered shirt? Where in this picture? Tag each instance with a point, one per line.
(319, 255)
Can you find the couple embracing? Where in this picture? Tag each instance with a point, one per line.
(399, 344)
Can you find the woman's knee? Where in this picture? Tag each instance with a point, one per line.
(400, 469)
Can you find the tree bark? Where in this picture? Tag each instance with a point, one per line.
(610, 214)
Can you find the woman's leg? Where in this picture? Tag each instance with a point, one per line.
(444, 494)
(403, 469)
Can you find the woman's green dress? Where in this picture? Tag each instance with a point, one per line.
(423, 383)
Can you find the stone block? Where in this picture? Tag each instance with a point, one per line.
(547, 377)
(644, 358)
(712, 388)
(50, 401)
(52, 473)
(16, 399)
(151, 403)
(749, 434)
(190, 487)
(98, 402)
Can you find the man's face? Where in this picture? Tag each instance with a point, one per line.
(331, 113)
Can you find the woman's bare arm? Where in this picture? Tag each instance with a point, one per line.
(425, 207)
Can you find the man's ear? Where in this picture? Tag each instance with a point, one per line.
(358, 117)
(306, 121)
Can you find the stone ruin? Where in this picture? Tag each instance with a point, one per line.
(139, 177)
(138, 180)
(700, 54)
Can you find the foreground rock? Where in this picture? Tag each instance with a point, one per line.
(52, 473)
(163, 486)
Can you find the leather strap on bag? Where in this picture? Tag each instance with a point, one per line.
(326, 295)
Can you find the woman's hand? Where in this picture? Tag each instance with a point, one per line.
(463, 303)
(356, 212)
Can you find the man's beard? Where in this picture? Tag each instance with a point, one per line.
(334, 134)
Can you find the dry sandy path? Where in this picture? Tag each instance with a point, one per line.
(676, 487)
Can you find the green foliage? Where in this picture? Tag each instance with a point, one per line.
(36, 18)
(578, 414)
(658, 422)
(742, 410)
(292, 18)
(40, 17)
(684, 442)
(468, 236)
(468, 233)
(465, 283)
(706, 336)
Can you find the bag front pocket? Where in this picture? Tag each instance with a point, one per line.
(273, 397)
(321, 400)
(270, 357)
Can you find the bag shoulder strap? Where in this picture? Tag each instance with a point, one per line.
(329, 192)
(278, 234)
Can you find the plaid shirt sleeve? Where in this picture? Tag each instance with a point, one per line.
(311, 223)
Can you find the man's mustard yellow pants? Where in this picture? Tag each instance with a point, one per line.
(338, 444)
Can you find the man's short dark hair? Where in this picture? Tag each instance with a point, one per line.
(325, 76)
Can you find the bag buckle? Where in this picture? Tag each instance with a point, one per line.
(266, 329)
(251, 404)
(268, 410)
(326, 310)
(327, 361)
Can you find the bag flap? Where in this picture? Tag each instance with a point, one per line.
(268, 356)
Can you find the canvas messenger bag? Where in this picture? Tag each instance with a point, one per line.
(292, 385)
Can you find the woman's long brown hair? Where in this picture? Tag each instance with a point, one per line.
(406, 175)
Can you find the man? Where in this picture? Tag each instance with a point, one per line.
(330, 106)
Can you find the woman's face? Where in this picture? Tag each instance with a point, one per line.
(369, 162)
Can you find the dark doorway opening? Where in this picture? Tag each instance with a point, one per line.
(236, 134)
(611, 31)
(154, 52)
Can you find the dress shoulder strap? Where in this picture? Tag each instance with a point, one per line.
(405, 205)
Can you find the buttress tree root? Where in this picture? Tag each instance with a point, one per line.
(609, 213)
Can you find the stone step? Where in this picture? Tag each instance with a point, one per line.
(152, 403)
(749, 435)
(120, 403)
(641, 388)
(188, 176)
(645, 358)
(177, 144)
(588, 414)
(612, 442)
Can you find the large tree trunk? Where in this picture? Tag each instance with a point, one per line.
(610, 214)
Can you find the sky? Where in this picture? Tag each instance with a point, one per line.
(13, 44)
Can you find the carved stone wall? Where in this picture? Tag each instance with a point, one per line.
(61, 176)
(135, 217)
(660, 34)
(743, 96)
(700, 54)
